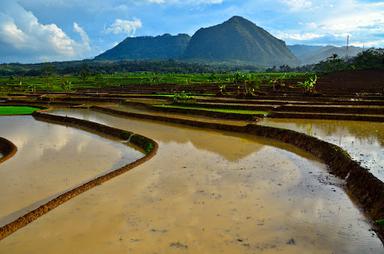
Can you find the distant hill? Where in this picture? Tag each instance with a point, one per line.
(238, 40)
(314, 54)
(148, 48)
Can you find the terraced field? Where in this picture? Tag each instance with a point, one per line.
(214, 186)
(257, 196)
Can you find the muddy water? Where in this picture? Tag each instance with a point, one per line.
(51, 159)
(364, 141)
(204, 192)
(128, 108)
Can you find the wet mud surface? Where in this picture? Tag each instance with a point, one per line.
(50, 160)
(364, 141)
(207, 192)
(125, 108)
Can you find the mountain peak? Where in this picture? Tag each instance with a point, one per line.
(238, 19)
(238, 40)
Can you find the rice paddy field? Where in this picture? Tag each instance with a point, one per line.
(215, 180)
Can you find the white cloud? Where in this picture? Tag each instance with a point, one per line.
(83, 35)
(121, 26)
(194, 2)
(363, 21)
(369, 19)
(98, 3)
(22, 36)
(296, 5)
(298, 36)
(330, 22)
(11, 34)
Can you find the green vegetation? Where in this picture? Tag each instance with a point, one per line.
(148, 148)
(68, 83)
(309, 84)
(17, 110)
(182, 97)
(380, 222)
(232, 111)
(122, 66)
(369, 59)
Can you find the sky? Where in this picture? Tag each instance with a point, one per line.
(57, 30)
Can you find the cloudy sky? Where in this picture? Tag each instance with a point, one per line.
(53, 30)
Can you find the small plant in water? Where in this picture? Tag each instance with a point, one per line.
(66, 86)
(222, 88)
(181, 97)
(148, 148)
(309, 84)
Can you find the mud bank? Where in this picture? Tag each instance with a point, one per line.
(140, 110)
(36, 103)
(331, 112)
(363, 187)
(300, 100)
(197, 112)
(324, 116)
(7, 149)
(292, 107)
(146, 144)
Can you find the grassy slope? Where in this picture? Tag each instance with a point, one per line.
(17, 110)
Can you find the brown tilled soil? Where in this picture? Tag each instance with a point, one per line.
(371, 81)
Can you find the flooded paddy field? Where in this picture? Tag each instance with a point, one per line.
(364, 141)
(138, 110)
(205, 192)
(50, 160)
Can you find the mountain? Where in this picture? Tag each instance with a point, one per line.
(315, 54)
(235, 41)
(148, 48)
(238, 40)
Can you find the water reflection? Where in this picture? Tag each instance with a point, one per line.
(363, 140)
(192, 199)
(230, 148)
(51, 159)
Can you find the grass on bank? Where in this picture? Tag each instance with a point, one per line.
(17, 110)
(219, 110)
